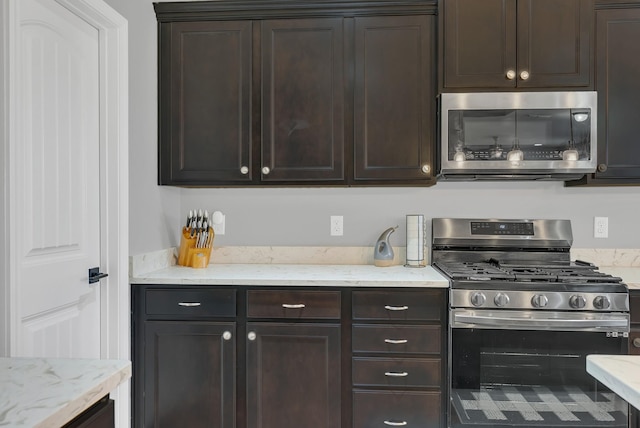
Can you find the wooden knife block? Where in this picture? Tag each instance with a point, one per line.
(191, 256)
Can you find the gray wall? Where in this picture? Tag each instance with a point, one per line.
(301, 216)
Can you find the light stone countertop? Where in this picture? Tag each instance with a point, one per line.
(296, 275)
(629, 275)
(619, 373)
(47, 392)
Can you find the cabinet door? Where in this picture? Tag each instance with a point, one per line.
(518, 43)
(618, 68)
(293, 375)
(204, 96)
(302, 100)
(394, 98)
(479, 43)
(554, 43)
(189, 375)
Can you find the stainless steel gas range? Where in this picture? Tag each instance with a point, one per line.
(522, 319)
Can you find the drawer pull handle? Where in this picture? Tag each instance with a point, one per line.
(252, 336)
(396, 341)
(226, 335)
(636, 342)
(396, 374)
(396, 424)
(293, 306)
(189, 304)
(396, 308)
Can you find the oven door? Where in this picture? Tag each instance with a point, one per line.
(527, 369)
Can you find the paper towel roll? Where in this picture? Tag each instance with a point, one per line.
(415, 241)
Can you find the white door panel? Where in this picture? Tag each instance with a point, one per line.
(59, 178)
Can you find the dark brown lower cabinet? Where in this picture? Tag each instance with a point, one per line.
(293, 375)
(189, 374)
(100, 415)
(312, 357)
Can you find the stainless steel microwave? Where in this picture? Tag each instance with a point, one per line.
(517, 135)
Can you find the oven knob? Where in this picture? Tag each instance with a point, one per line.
(501, 299)
(539, 301)
(601, 302)
(478, 299)
(577, 301)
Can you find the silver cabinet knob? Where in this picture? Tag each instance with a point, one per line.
(511, 74)
(244, 170)
(252, 335)
(636, 342)
(478, 299)
(226, 335)
(539, 301)
(577, 301)
(266, 170)
(501, 299)
(426, 169)
(601, 302)
(524, 75)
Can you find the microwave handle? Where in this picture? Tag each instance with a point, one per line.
(502, 322)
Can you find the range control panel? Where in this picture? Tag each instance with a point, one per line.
(501, 228)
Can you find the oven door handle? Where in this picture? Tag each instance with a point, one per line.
(501, 322)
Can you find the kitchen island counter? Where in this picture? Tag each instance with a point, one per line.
(296, 275)
(619, 373)
(48, 392)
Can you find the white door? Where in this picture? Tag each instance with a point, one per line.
(58, 176)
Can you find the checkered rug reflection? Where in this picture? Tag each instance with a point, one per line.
(539, 406)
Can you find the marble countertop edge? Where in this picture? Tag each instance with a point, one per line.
(619, 373)
(51, 392)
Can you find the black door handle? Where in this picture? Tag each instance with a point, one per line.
(95, 275)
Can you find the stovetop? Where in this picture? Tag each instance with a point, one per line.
(493, 270)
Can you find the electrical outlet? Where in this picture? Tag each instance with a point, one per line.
(336, 225)
(601, 227)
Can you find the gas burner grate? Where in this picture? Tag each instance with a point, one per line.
(493, 270)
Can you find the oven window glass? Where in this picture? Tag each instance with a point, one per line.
(512, 135)
(511, 378)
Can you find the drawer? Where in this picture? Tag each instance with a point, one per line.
(196, 302)
(409, 409)
(402, 339)
(424, 305)
(293, 304)
(400, 372)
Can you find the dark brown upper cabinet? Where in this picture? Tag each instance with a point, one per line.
(296, 93)
(302, 100)
(618, 86)
(205, 100)
(394, 100)
(517, 44)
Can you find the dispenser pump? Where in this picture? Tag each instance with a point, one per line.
(383, 252)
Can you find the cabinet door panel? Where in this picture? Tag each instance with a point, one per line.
(293, 376)
(554, 43)
(189, 375)
(394, 98)
(479, 43)
(204, 96)
(618, 68)
(303, 99)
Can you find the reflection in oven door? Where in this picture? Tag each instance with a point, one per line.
(522, 378)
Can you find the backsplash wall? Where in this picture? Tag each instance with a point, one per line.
(300, 216)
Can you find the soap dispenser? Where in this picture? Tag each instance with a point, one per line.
(383, 252)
